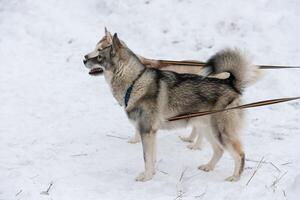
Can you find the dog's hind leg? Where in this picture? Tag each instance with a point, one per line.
(235, 149)
(148, 142)
(191, 137)
(196, 145)
(217, 150)
(198, 130)
(217, 154)
(232, 124)
(228, 125)
(136, 138)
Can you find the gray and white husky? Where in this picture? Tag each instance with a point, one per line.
(151, 96)
(195, 138)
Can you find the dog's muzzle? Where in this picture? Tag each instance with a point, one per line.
(94, 71)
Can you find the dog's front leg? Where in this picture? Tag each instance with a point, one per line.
(148, 142)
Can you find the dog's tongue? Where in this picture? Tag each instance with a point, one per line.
(96, 71)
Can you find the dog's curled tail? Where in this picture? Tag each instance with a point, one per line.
(242, 72)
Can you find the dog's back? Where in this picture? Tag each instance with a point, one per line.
(189, 93)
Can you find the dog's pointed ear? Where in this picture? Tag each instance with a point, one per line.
(108, 35)
(116, 43)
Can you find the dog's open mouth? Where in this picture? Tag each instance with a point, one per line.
(96, 71)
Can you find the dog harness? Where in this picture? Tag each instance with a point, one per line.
(129, 89)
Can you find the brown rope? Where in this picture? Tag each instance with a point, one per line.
(182, 62)
(277, 67)
(165, 63)
(250, 105)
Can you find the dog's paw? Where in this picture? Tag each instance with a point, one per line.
(194, 146)
(134, 140)
(206, 167)
(232, 178)
(142, 177)
(185, 139)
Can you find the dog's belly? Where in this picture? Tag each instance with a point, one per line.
(194, 122)
(165, 125)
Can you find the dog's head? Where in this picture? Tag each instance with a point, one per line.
(105, 55)
(92, 60)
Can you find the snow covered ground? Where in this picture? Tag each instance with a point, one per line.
(55, 118)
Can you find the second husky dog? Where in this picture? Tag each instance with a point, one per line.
(151, 96)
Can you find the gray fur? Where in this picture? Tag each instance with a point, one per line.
(234, 62)
(158, 95)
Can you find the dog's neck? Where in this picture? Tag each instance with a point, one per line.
(123, 77)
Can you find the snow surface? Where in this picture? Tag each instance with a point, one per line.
(55, 118)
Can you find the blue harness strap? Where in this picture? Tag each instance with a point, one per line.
(127, 95)
(129, 89)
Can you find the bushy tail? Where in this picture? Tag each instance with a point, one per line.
(237, 65)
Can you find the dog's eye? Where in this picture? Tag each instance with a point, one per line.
(99, 58)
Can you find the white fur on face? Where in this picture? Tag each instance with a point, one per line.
(92, 65)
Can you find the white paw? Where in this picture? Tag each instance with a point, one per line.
(185, 139)
(232, 178)
(206, 167)
(134, 140)
(194, 146)
(144, 177)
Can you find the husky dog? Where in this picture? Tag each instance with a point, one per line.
(151, 63)
(151, 96)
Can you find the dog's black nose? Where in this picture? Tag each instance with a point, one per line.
(84, 61)
(86, 57)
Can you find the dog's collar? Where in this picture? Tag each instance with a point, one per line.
(129, 89)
